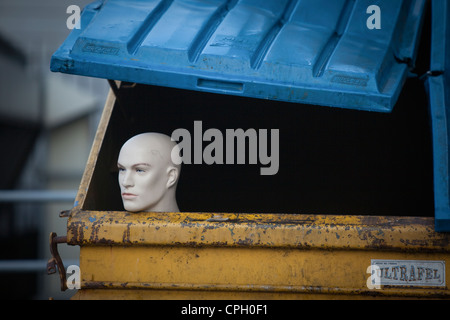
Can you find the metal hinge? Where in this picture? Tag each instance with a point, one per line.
(431, 73)
(56, 261)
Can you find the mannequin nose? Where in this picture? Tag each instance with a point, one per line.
(127, 180)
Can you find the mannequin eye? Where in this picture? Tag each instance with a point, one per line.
(121, 169)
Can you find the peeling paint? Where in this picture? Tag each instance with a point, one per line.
(256, 230)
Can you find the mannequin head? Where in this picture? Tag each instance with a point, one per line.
(147, 176)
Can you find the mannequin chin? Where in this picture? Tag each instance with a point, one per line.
(147, 176)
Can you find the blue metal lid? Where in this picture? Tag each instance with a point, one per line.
(339, 53)
(438, 85)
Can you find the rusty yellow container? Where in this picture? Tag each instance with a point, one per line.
(195, 255)
(357, 201)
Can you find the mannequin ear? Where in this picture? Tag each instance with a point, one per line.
(172, 174)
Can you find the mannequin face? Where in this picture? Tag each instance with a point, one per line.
(146, 174)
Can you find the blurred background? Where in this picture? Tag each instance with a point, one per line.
(47, 125)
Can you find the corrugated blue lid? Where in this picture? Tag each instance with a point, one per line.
(438, 85)
(306, 51)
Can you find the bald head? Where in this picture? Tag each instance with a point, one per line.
(147, 174)
(155, 145)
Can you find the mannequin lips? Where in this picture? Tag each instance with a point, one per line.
(128, 196)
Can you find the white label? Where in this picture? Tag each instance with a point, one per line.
(410, 272)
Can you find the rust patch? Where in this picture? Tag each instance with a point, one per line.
(76, 229)
(245, 242)
(94, 230)
(95, 285)
(126, 234)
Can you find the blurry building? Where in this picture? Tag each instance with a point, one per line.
(47, 124)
